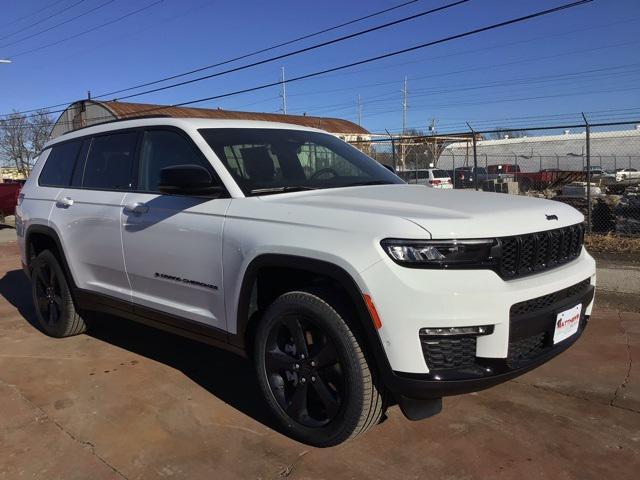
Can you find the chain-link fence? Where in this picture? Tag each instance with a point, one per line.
(593, 167)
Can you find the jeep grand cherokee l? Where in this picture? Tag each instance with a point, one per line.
(349, 289)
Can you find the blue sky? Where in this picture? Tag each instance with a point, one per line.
(582, 59)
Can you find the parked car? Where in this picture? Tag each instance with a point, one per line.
(348, 289)
(430, 177)
(504, 170)
(627, 174)
(464, 177)
(8, 199)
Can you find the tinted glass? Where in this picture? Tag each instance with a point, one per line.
(440, 174)
(76, 179)
(163, 148)
(58, 168)
(110, 162)
(266, 160)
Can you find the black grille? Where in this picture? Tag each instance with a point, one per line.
(524, 349)
(534, 252)
(444, 353)
(538, 303)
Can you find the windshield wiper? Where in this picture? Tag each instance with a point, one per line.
(268, 190)
(370, 182)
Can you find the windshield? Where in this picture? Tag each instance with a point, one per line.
(264, 160)
(440, 174)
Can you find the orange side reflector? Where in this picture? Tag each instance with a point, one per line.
(372, 311)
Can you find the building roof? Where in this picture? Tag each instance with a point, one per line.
(123, 110)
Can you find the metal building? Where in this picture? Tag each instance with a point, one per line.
(90, 112)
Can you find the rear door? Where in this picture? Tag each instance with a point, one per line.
(87, 213)
(173, 243)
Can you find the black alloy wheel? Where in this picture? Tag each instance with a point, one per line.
(55, 310)
(48, 295)
(304, 372)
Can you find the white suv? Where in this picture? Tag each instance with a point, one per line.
(350, 289)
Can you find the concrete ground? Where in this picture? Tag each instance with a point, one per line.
(127, 401)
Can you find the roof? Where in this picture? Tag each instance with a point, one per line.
(334, 125)
(187, 124)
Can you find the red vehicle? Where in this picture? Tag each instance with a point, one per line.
(545, 178)
(8, 199)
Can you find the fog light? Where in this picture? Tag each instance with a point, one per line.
(451, 331)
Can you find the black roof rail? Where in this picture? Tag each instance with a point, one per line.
(115, 120)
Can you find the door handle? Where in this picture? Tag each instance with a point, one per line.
(136, 207)
(64, 202)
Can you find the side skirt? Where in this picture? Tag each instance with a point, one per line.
(97, 302)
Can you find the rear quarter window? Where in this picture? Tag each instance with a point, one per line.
(58, 166)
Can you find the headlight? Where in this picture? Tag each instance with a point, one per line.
(480, 253)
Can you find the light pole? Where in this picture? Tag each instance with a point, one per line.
(4, 61)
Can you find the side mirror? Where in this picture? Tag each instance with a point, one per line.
(389, 167)
(188, 180)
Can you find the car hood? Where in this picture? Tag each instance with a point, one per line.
(443, 213)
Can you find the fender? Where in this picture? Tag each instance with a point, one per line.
(364, 322)
(51, 233)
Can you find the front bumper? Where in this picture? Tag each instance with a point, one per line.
(487, 372)
(409, 300)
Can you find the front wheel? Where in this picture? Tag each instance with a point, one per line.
(312, 370)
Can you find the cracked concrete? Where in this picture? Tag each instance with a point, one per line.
(130, 402)
(630, 360)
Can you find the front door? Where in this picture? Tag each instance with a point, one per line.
(173, 243)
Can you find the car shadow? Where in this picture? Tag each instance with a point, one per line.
(229, 377)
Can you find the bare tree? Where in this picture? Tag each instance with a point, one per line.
(22, 138)
(502, 132)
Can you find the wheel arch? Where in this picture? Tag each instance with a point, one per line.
(364, 324)
(42, 237)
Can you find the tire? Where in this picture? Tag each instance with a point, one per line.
(55, 310)
(340, 399)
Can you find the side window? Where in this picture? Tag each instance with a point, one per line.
(164, 148)
(58, 168)
(110, 162)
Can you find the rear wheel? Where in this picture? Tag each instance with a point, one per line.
(312, 370)
(52, 299)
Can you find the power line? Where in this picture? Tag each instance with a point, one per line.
(382, 56)
(49, 17)
(92, 29)
(415, 78)
(571, 76)
(295, 52)
(31, 14)
(519, 99)
(57, 24)
(240, 57)
(263, 50)
(476, 69)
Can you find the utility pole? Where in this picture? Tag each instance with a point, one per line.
(405, 93)
(431, 128)
(359, 108)
(283, 91)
